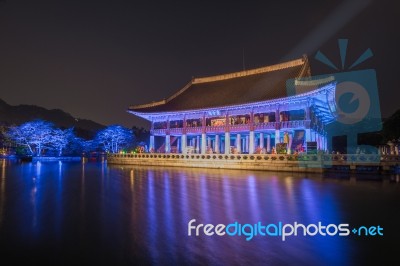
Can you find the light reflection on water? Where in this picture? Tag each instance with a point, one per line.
(96, 213)
(2, 188)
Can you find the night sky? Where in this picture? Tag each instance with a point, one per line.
(93, 59)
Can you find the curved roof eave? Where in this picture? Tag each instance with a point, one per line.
(280, 101)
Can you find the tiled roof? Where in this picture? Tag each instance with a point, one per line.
(247, 86)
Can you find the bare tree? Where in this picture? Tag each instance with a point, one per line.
(35, 135)
(61, 138)
(114, 138)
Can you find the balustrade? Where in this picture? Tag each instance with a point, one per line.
(271, 157)
(237, 128)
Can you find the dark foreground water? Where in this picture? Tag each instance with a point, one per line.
(94, 214)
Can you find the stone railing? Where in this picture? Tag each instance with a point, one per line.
(162, 131)
(367, 158)
(175, 131)
(295, 124)
(266, 157)
(241, 127)
(316, 163)
(242, 157)
(194, 130)
(216, 129)
(236, 128)
(269, 125)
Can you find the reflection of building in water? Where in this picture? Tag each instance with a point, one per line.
(242, 112)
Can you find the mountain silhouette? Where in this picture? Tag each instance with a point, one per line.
(18, 114)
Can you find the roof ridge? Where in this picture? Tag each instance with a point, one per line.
(146, 105)
(164, 101)
(249, 72)
(180, 91)
(303, 62)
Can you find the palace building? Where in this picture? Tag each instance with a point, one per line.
(262, 110)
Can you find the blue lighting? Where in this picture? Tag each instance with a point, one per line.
(269, 105)
(214, 113)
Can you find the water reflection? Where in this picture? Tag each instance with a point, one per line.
(174, 197)
(152, 219)
(119, 214)
(3, 163)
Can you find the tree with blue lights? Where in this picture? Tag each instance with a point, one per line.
(61, 138)
(114, 138)
(35, 136)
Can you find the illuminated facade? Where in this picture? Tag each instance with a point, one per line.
(243, 112)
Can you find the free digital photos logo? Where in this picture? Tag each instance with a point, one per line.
(281, 230)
